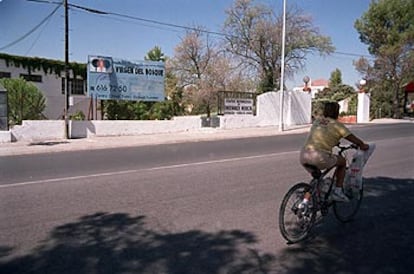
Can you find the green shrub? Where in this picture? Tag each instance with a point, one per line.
(78, 116)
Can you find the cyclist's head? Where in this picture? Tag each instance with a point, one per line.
(331, 110)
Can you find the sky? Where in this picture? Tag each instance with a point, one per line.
(131, 39)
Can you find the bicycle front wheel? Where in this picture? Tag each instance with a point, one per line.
(345, 211)
(295, 223)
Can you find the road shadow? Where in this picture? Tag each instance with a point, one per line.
(120, 243)
(379, 240)
(48, 143)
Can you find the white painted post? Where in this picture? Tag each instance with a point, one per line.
(289, 110)
(363, 107)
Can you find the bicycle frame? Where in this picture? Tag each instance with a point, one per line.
(321, 202)
(317, 178)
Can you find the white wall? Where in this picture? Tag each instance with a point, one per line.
(297, 111)
(5, 136)
(268, 106)
(239, 121)
(297, 108)
(36, 130)
(82, 129)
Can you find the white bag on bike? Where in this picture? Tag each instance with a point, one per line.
(353, 175)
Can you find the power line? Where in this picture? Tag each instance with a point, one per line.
(352, 54)
(145, 20)
(137, 23)
(100, 12)
(46, 2)
(150, 21)
(32, 30)
(38, 36)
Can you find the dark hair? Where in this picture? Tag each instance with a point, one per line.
(331, 110)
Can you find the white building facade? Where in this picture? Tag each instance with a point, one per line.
(49, 83)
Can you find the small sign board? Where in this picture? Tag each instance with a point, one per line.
(238, 106)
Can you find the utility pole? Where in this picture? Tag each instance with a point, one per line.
(67, 135)
(282, 68)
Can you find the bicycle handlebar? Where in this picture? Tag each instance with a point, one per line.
(343, 148)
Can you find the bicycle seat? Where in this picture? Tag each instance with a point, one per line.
(313, 170)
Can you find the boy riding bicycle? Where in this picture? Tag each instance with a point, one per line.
(325, 133)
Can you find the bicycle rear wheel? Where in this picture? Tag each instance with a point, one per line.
(294, 223)
(345, 211)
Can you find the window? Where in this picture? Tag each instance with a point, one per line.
(76, 86)
(5, 74)
(32, 77)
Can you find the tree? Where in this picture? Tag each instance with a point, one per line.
(337, 91)
(126, 110)
(340, 91)
(336, 78)
(388, 30)
(202, 68)
(155, 54)
(25, 101)
(194, 65)
(253, 34)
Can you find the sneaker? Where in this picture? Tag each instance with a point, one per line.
(303, 204)
(339, 196)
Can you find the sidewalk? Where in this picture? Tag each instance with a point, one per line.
(206, 134)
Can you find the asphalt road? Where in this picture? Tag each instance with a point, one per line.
(206, 207)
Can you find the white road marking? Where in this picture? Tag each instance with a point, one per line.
(52, 180)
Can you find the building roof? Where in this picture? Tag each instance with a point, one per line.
(409, 87)
(320, 82)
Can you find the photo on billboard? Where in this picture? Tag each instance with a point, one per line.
(100, 64)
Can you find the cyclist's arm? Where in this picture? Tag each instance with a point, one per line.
(353, 139)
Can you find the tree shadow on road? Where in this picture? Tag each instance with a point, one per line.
(119, 243)
(379, 240)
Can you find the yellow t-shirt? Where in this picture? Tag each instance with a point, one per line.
(325, 133)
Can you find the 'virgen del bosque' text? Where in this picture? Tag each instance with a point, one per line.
(140, 71)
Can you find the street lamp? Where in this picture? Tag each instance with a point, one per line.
(282, 68)
(362, 83)
(306, 80)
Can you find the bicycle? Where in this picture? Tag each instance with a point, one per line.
(298, 226)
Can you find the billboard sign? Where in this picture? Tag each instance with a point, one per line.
(117, 79)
